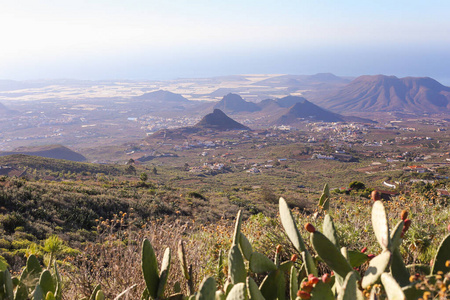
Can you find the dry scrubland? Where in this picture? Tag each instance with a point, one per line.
(107, 251)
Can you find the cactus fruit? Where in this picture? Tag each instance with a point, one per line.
(375, 196)
(304, 295)
(404, 215)
(310, 227)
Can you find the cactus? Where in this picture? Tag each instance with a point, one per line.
(38, 294)
(330, 254)
(238, 292)
(8, 285)
(290, 227)
(253, 290)
(380, 224)
(396, 235)
(246, 247)
(349, 290)
(237, 228)
(94, 292)
(293, 283)
(165, 266)
(392, 288)
(46, 282)
(356, 258)
(150, 269)
(259, 263)
(398, 269)
(273, 286)
(236, 267)
(377, 266)
(322, 291)
(442, 255)
(329, 230)
(324, 200)
(100, 295)
(187, 272)
(207, 289)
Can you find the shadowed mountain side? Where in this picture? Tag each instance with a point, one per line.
(307, 111)
(235, 103)
(50, 151)
(218, 120)
(5, 111)
(389, 94)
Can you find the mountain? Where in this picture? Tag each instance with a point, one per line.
(322, 80)
(235, 103)
(218, 120)
(382, 93)
(308, 111)
(162, 96)
(50, 151)
(289, 101)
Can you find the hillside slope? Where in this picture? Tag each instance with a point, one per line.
(389, 94)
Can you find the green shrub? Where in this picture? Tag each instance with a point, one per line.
(11, 221)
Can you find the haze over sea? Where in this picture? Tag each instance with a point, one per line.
(173, 39)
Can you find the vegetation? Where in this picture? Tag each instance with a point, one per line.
(249, 274)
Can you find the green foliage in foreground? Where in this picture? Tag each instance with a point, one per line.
(304, 276)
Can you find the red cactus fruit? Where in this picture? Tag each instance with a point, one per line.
(363, 250)
(279, 247)
(304, 295)
(294, 257)
(306, 286)
(375, 195)
(326, 278)
(310, 228)
(406, 225)
(370, 256)
(312, 279)
(448, 227)
(404, 215)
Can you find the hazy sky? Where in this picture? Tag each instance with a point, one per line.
(164, 39)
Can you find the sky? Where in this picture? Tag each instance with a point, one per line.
(162, 39)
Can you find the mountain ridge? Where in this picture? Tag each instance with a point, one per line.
(389, 94)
